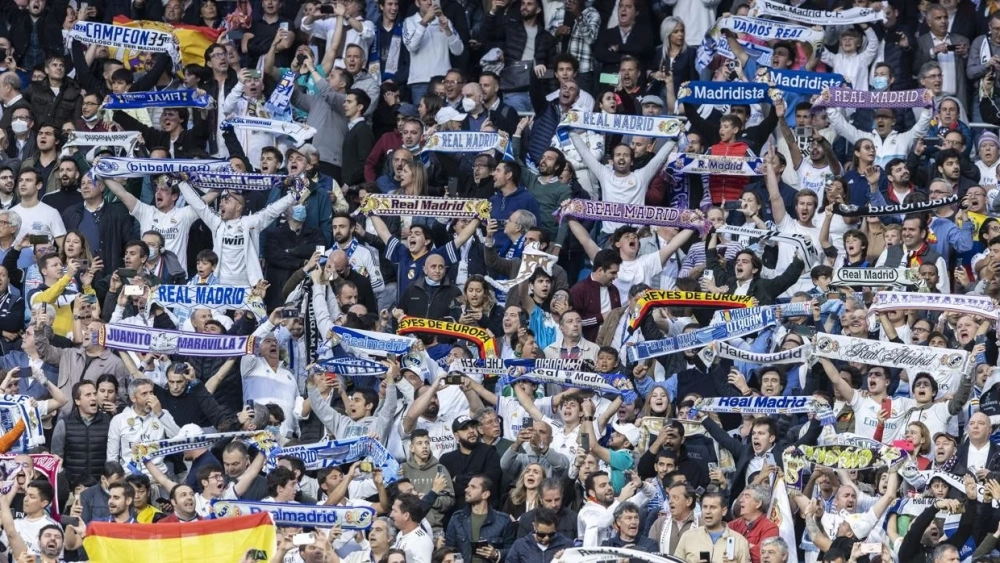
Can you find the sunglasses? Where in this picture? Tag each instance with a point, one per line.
(545, 534)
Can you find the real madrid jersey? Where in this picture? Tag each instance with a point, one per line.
(174, 225)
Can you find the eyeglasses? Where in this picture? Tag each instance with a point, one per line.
(218, 55)
(544, 534)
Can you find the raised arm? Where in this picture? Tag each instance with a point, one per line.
(581, 234)
(119, 190)
(420, 405)
(846, 391)
(773, 192)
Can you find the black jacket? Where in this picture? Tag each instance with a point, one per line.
(609, 47)
(507, 32)
(48, 29)
(91, 83)
(566, 525)
(743, 451)
(195, 406)
(358, 144)
(482, 460)
(286, 252)
(188, 141)
(85, 448)
(47, 107)
(763, 289)
(116, 227)
(206, 121)
(913, 550)
(421, 300)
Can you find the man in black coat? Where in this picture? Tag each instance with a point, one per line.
(35, 32)
(111, 222)
(432, 296)
(189, 402)
(746, 273)
(288, 245)
(359, 140)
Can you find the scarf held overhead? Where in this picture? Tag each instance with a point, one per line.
(770, 30)
(295, 514)
(140, 339)
(374, 343)
(807, 249)
(600, 382)
(793, 356)
(332, 453)
(902, 300)
(799, 81)
(239, 182)
(712, 164)
(112, 167)
(799, 309)
(300, 132)
(876, 277)
(772, 9)
(18, 410)
(621, 124)
(719, 93)
(165, 99)
(442, 207)
(145, 451)
(653, 298)
(123, 139)
(848, 210)
(107, 35)
(479, 336)
(531, 259)
(460, 142)
(893, 99)
(637, 214)
(762, 319)
(888, 354)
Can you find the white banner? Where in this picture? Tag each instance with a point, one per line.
(878, 353)
(770, 8)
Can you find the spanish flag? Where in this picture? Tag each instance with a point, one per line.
(204, 541)
(193, 40)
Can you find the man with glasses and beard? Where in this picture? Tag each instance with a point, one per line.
(550, 506)
(544, 541)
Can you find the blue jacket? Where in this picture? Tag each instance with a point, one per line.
(319, 210)
(497, 530)
(503, 205)
(525, 549)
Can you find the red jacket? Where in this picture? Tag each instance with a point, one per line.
(755, 532)
(387, 143)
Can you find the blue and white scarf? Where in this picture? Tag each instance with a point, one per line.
(374, 343)
(600, 382)
(711, 164)
(299, 132)
(332, 453)
(14, 408)
(299, 515)
(715, 45)
(145, 451)
(163, 99)
(719, 93)
(770, 30)
(279, 104)
(850, 16)
(122, 37)
(113, 167)
(799, 309)
(352, 367)
(799, 81)
(462, 142)
(229, 181)
(622, 124)
(760, 320)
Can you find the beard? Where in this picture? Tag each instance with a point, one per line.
(469, 444)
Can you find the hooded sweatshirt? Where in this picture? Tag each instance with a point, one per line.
(422, 475)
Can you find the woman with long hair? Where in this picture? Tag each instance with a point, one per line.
(674, 63)
(480, 305)
(208, 14)
(427, 109)
(526, 492)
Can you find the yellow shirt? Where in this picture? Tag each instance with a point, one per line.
(146, 515)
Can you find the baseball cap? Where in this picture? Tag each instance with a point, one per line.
(630, 431)
(463, 422)
(408, 110)
(946, 435)
(189, 431)
(446, 114)
(656, 100)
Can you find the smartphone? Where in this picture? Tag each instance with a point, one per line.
(712, 466)
(84, 266)
(732, 205)
(441, 469)
(932, 141)
(249, 404)
(321, 249)
(585, 442)
(952, 47)
(833, 295)
(704, 556)
(283, 26)
(479, 545)
(254, 74)
(133, 290)
(125, 273)
(452, 187)
(89, 298)
(303, 539)
(803, 131)
(730, 548)
(38, 239)
(326, 9)
(871, 548)
(366, 467)
(257, 555)
(69, 521)
(289, 313)
(453, 380)
(527, 422)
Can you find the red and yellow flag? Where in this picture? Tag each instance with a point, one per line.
(193, 41)
(205, 541)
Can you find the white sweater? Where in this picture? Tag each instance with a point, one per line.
(429, 48)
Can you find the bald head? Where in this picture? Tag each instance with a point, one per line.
(434, 269)
(339, 259)
(979, 428)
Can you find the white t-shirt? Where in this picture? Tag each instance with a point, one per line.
(417, 544)
(42, 218)
(174, 225)
(641, 270)
(786, 252)
(866, 412)
(29, 530)
(813, 178)
(442, 438)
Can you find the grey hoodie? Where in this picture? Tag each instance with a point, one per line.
(422, 477)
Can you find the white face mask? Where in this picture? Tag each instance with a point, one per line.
(468, 104)
(19, 126)
(154, 253)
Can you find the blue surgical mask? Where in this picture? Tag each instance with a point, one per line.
(880, 83)
(299, 213)
(431, 282)
(274, 430)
